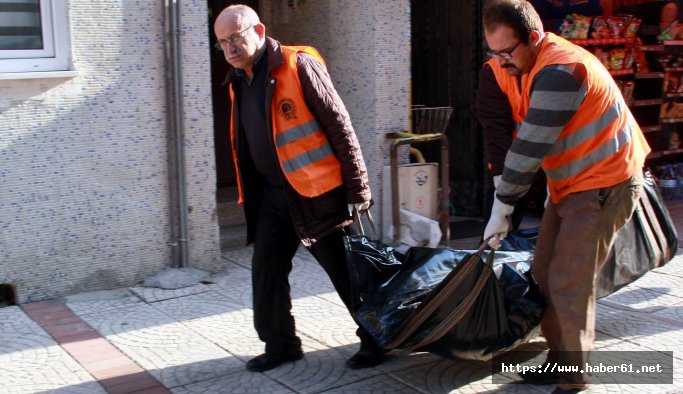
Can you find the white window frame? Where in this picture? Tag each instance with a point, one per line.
(56, 55)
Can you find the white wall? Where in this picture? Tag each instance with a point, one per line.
(84, 201)
(84, 190)
(367, 48)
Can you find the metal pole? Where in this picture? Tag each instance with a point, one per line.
(180, 243)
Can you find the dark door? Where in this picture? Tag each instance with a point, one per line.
(446, 56)
(225, 168)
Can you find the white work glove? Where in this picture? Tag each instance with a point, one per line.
(499, 224)
(496, 181)
(547, 196)
(360, 207)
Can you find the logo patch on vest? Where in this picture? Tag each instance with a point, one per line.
(287, 108)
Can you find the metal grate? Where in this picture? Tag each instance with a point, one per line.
(431, 120)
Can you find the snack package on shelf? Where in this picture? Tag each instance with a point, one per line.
(603, 56)
(616, 58)
(674, 140)
(600, 29)
(632, 28)
(664, 60)
(671, 110)
(671, 32)
(630, 58)
(627, 90)
(617, 25)
(676, 61)
(641, 61)
(663, 110)
(670, 83)
(575, 27)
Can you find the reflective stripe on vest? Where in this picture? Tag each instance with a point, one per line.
(307, 158)
(588, 131)
(609, 148)
(305, 154)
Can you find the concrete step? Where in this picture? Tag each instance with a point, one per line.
(233, 228)
(233, 236)
(229, 212)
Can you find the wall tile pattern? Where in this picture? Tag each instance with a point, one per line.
(84, 201)
(84, 179)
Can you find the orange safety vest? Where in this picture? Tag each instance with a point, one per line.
(602, 144)
(303, 150)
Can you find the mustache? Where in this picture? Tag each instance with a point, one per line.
(507, 65)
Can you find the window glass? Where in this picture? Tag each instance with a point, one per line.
(34, 36)
(20, 25)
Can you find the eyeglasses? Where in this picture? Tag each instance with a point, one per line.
(233, 39)
(505, 55)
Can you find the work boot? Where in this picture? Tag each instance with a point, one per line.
(268, 361)
(369, 355)
(541, 376)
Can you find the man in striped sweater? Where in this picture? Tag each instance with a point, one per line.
(577, 128)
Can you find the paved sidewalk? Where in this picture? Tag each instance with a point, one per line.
(197, 340)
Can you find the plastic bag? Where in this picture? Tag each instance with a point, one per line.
(449, 302)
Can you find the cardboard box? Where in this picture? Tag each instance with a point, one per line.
(417, 190)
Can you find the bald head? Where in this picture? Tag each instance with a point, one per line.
(241, 36)
(239, 13)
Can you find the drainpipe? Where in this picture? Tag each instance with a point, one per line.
(176, 138)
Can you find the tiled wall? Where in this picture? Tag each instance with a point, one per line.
(367, 47)
(84, 202)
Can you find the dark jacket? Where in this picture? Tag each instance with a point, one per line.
(314, 217)
(494, 113)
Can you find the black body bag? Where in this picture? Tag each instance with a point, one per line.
(475, 304)
(454, 303)
(647, 241)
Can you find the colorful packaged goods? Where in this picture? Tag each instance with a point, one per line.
(600, 28)
(616, 58)
(641, 61)
(575, 27)
(616, 25)
(630, 58)
(632, 28)
(627, 90)
(603, 56)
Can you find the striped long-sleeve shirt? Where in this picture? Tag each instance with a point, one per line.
(556, 93)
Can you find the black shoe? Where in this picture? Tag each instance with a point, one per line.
(559, 390)
(265, 361)
(369, 355)
(365, 359)
(540, 377)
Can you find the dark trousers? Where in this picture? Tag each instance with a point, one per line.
(575, 238)
(275, 244)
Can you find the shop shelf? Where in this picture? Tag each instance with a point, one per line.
(651, 129)
(604, 41)
(642, 103)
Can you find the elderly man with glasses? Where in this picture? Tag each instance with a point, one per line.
(300, 173)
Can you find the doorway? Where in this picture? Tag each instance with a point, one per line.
(220, 99)
(446, 56)
(230, 215)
